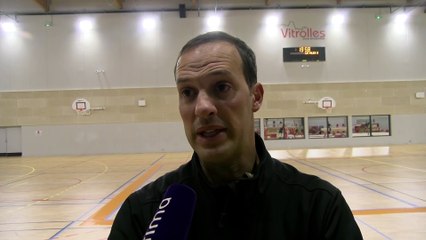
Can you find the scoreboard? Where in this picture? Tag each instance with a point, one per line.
(304, 54)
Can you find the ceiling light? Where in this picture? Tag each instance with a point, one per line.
(338, 19)
(149, 23)
(214, 22)
(49, 22)
(9, 26)
(401, 18)
(272, 20)
(85, 25)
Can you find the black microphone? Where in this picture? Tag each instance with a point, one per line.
(173, 218)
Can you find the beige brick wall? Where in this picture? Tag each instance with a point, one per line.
(281, 100)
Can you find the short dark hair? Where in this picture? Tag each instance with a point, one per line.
(246, 53)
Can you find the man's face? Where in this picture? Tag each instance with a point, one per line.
(215, 102)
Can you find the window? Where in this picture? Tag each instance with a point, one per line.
(371, 125)
(361, 126)
(380, 125)
(328, 127)
(257, 125)
(294, 128)
(274, 128)
(284, 128)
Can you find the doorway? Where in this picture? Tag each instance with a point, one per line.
(10, 141)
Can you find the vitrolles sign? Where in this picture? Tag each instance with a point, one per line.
(290, 30)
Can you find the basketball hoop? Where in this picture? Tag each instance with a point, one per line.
(81, 106)
(327, 103)
(328, 109)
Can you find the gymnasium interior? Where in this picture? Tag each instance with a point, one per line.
(89, 106)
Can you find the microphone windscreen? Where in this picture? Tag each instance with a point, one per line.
(173, 218)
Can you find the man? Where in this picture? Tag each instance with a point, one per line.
(242, 193)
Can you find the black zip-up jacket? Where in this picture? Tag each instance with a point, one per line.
(277, 203)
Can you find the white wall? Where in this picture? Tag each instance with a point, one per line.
(60, 57)
(103, 139)
(170, 137)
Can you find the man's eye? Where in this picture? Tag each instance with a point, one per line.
(187, 92)
(222, 87)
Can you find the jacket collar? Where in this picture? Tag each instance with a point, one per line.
(264, 169)
(259, 174)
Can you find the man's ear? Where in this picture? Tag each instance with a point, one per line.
(257, 94)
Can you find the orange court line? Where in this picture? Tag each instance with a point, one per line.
(389, 211)
(100, 217)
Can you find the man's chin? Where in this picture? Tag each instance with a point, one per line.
(216, 153)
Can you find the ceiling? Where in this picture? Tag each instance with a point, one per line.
(88, 6)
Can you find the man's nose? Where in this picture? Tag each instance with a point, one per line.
(205, 106)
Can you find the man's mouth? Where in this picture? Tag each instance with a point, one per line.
(209, 132)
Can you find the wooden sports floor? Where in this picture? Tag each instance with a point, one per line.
(76, 197)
